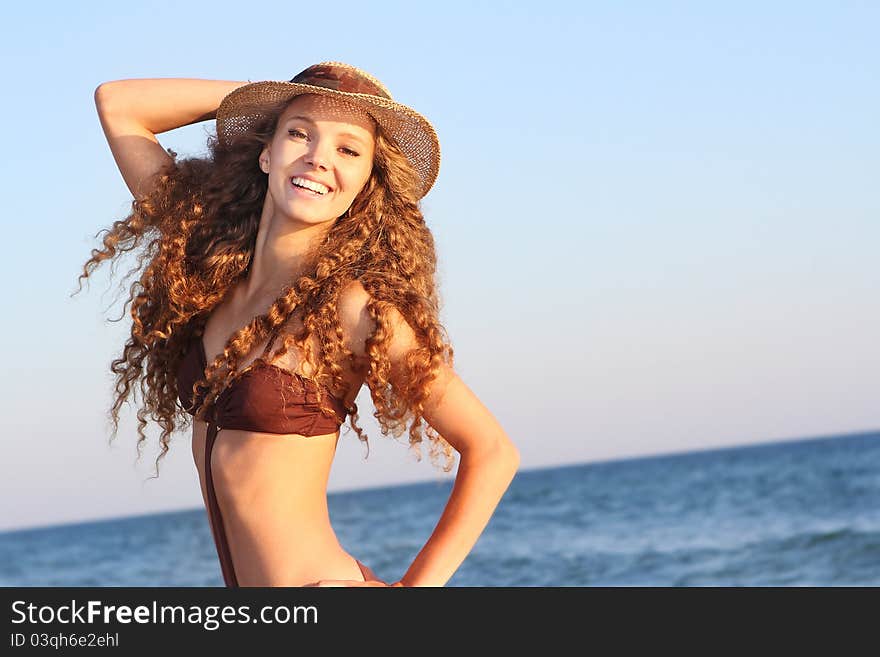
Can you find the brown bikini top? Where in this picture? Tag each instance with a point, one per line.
(265, 398)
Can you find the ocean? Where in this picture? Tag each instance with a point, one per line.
(794, 513)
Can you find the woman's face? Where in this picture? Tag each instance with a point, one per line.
(327, 141)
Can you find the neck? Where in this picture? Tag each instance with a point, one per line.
(279, 253)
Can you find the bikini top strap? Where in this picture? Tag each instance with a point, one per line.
(269, 344)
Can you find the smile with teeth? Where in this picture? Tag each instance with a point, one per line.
(316, 188)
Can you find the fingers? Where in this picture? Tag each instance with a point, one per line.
(346, 583)
(333, 582)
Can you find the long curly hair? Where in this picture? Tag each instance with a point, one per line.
(197, 231)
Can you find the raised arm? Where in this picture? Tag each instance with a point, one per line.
(133, 112)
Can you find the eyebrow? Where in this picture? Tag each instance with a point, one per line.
(308, 120)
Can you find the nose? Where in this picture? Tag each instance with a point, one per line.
(316, 156)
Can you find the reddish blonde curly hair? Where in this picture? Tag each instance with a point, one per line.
(197, 228)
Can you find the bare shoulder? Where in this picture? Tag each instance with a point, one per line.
(354, 318)
(357, 324)
(451, 408)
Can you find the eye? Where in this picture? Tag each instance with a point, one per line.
(293, 132)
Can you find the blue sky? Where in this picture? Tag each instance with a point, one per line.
(656, 224)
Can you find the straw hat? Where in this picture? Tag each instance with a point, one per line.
(413, 133)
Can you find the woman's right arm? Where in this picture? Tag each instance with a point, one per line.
(133, 112)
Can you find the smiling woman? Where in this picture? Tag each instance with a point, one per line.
(302, 227)
(329, 128)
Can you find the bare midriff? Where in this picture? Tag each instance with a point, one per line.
(272, 493)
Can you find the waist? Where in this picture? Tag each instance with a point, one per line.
(273, 469)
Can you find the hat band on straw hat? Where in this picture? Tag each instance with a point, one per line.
(333, 77)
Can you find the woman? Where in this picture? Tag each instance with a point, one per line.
(302, 229)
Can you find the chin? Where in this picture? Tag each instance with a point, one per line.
(312, 219)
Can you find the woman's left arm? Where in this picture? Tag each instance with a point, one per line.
(488, 462)
(488, 459)
(487, 465)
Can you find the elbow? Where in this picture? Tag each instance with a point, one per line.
(506, 461)
(505, 453)
(508, 450)
(101, 96)
(514, 457)
(103, 93)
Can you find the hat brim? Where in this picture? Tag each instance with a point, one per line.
(412, 132)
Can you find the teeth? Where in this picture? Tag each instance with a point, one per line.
(308, 184)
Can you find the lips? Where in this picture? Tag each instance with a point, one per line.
(313, 180)
(307, 193)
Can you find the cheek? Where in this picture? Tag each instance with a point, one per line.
(365, 173)
(355, 180)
